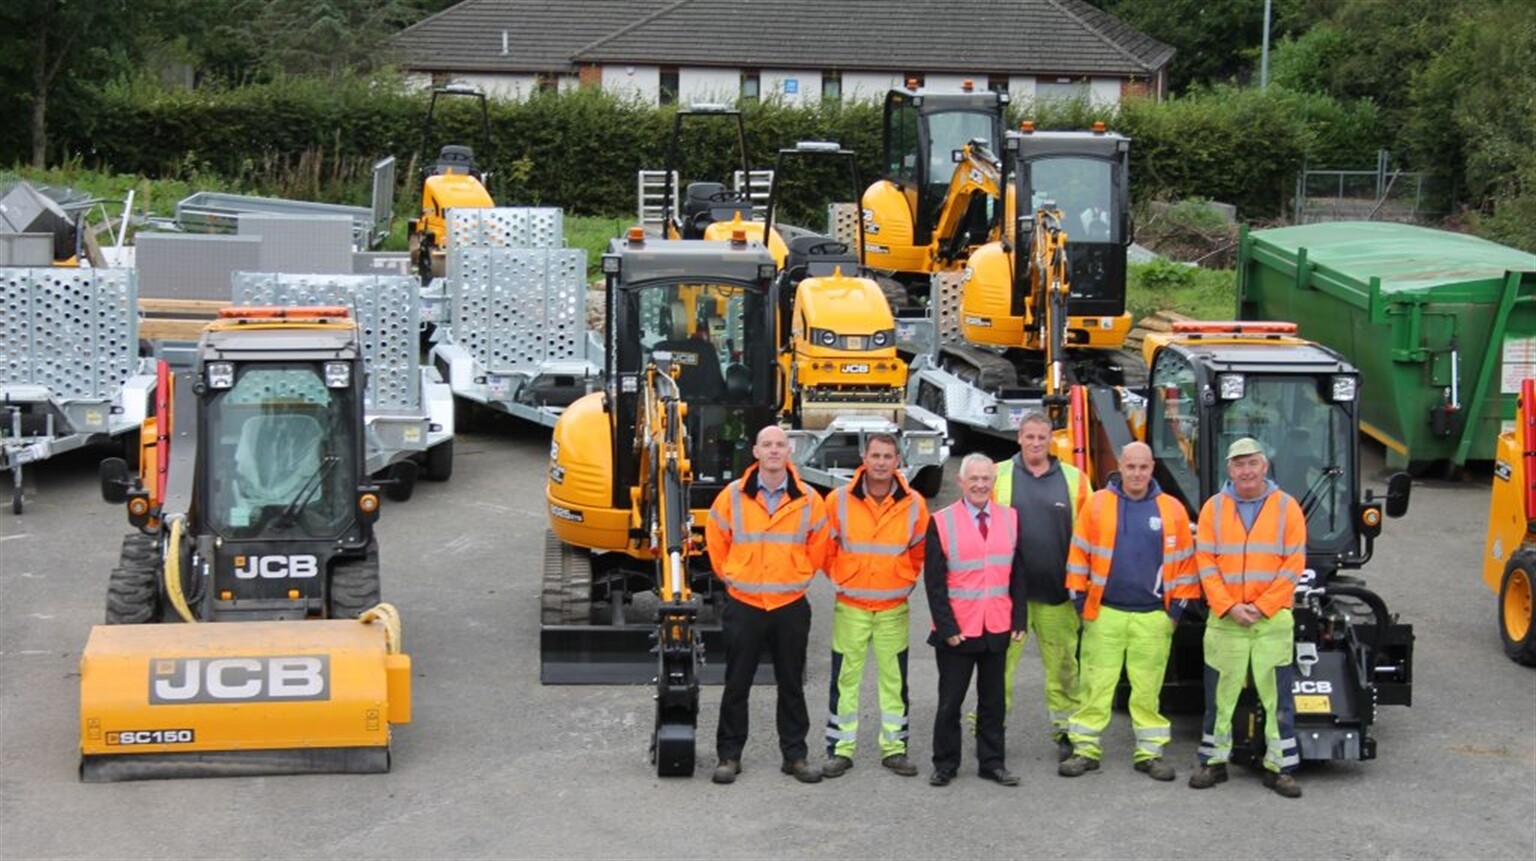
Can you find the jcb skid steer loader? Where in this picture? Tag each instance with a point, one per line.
(252, 504)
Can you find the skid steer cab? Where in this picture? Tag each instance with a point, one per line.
(251, 504)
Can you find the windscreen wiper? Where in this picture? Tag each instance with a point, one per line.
(301, 499)
(1313, 498)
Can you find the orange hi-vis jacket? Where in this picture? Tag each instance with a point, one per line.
(876, 554)
(1093, 548)
(1259, 566)
(980, 570)
(767, 560)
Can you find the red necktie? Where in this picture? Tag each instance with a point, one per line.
(981, 524)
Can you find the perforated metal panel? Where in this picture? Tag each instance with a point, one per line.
(388, 319)
(946, 286)
(843, 223)
(506, 227)
(74, 331)
(515, 308)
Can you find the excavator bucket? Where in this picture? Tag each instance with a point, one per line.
(214, 700)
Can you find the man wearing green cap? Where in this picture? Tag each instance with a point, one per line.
(1250, 549)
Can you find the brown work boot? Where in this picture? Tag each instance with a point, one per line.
(899, 763)
(1155, 768)
(1207, 776)
(802, 771)
(726, 771)
(836, 766)
(1077, 766)
(1283, 784)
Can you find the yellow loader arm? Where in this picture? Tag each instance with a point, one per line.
(978, 172)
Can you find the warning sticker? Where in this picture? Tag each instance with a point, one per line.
(1519, 363)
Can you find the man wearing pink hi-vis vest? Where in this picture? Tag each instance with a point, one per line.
(973, 574)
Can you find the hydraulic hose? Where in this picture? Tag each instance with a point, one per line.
(173, 569)
(1378, 606)
(387, 614)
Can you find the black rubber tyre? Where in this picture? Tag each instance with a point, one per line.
(928, 481)
(439, 462)
(354, 585)
(133, 592)
(402, 477)
(1517, 609)
(567, 594)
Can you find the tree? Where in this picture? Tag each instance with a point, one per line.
(1217, 40)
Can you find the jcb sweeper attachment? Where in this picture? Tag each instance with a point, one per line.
(173, 701)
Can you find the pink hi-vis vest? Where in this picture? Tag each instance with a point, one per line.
(979, 569)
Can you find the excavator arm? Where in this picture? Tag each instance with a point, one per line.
(979, 172)
(664, 521)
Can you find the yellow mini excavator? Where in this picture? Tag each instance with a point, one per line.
(452, 179)
(942, 192)
(252, 505)
(633, 470)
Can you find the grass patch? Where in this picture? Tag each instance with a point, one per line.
(1162, 285)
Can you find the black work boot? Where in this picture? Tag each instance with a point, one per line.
(1207, 776)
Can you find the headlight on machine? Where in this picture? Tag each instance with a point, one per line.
(338, 375)
(883, 338)
(1230, 386)
(1344, 388)
(824, 337)
(221, 375)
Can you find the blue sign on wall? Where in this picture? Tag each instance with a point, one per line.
(791, 86)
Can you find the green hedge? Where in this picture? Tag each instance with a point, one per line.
(581, 150)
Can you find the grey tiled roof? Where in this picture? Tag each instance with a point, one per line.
(979, 36)
(542, 35)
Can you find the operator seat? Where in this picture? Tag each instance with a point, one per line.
(813, 256)
(455, 158)
(696, 359)
(699, 211)
(275, 457)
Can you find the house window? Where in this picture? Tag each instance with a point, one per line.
(751, 87)
(997, 83)
(669, 85)
(1061, 89)
(832, 86)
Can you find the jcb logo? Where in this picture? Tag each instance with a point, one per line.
(1308, 687)
(276, 567)
(296, 678)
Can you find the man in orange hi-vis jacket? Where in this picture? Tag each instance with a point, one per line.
(1251, 549)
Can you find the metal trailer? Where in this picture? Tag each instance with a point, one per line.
(72, 375)
(218, 212)
(407, 408)
(512, 333)
(1442, 326)
(953, 391)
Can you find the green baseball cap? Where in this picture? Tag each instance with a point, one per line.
(1243, 447)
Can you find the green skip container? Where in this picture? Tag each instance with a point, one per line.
(1442, 326)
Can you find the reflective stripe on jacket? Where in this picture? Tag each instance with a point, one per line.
(875, 555)
(979, 570)
(1093, 547)
(766, 560)
(1259, 566)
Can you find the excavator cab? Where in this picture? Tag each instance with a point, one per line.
(1086, 177)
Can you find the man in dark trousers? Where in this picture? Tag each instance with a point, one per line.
(974, 576)
(767, 535)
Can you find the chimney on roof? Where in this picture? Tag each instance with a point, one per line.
(505, 47)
